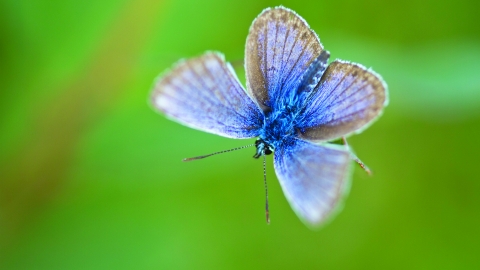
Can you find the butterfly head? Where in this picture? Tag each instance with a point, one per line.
(263, 148)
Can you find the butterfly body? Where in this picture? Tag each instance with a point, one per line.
(278, 126)
(282, 122)
(294, 103)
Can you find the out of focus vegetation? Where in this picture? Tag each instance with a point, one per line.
(91, 177)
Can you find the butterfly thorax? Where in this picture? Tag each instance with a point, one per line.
(278, 126)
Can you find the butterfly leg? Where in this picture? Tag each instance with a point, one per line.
(354, 157)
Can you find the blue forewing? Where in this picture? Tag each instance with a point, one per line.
(347, 98)
(204, 93)
(280, 47)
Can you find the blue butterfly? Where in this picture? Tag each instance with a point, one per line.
(294, 103)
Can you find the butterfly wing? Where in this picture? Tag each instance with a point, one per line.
(205, 94)
(313, 178)
(347, 99)
(280, 48)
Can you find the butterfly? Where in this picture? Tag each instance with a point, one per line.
(294, 104)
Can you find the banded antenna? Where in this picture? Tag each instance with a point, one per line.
(216, 153)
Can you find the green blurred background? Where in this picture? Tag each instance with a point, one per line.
(91, 177)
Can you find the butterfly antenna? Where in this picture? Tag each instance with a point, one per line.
(354, 157)
(267, 213)
(220, 152)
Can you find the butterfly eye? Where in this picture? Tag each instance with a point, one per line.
(268, 151)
